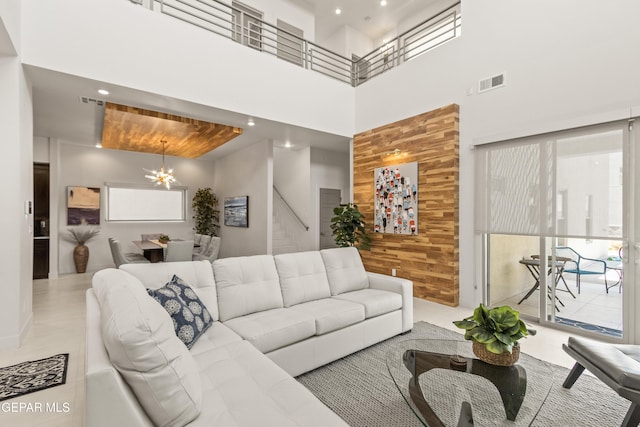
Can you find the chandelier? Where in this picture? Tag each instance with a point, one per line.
(161, 177)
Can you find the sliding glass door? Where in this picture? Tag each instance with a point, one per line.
(554, 210)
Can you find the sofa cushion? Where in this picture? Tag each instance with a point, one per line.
(302, 277)
(375, 302)
(218, 335)
(344, 270)
(139, 337)
(331, 314)
(244, 388)
(198, 275)
(190, 316)
(271, 329)
(246, 285)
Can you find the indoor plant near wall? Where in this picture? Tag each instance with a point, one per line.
(348, 227)
(205, 212)
(80, 235)
(495, 333)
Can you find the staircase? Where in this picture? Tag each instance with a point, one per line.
(283, 243)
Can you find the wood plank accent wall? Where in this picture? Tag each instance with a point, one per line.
(430, 259)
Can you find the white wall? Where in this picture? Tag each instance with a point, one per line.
(346, 41)
(159, 54)
(93, 167)
(286, 11)
(246, 173)
(329, 169)
(579, 69)
(16, 134)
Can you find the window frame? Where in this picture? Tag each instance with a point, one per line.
(109, 199)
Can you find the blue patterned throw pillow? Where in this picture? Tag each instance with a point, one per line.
(190, 317)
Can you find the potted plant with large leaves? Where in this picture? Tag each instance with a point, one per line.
(348, 227)
(205, 212)
(495, 333)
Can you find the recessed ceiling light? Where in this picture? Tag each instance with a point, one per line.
(287, 144)
(251, 122)
(103, 92)
(338, 11)
(383, 2)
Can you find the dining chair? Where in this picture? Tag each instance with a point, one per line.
(179, 250)
(580, 265)
(203, 246)
(120, 258)
(210, 252)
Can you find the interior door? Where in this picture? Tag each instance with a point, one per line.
(329, 199)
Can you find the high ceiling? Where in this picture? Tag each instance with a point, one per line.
(60, 113)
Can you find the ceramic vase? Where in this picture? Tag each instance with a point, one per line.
(81, 258)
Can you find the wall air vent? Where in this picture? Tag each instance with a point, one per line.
(87, 100)
(490, 83)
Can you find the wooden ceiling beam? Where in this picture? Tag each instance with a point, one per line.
(136, 129)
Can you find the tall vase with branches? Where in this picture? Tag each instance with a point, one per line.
(80, 235)
(349, 227)
(205, 212)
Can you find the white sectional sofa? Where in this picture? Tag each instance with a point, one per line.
(274, 317)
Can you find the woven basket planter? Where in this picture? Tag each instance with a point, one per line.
(504, 359)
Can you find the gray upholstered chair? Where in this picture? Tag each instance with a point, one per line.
(179, 250)
(120, 258)
(617, 365)
(210, 251)
(203, 245)
(154, 236)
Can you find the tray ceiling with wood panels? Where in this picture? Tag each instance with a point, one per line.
(136, 129)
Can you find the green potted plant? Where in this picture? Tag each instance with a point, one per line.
(205, 212)
(80, 235)
(348, 227)
(495, 333)
(164, 239)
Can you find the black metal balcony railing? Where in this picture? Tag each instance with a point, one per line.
(249, 30)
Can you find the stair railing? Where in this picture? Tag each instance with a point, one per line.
(296, 216)
(239, 26)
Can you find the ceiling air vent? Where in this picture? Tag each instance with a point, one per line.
(491, 83)
(87, 100)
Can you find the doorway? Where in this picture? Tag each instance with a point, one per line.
(40, 220)
(329, 199)
(556, 215)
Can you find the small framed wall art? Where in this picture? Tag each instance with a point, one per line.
(396, 199)
(236, 211)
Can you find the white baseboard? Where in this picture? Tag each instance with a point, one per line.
(15, 341)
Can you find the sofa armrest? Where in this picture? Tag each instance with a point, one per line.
(404, 287)
(109, 400)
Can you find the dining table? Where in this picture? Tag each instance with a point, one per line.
(153, 250)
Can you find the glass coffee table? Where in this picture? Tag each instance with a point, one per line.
(445, 385)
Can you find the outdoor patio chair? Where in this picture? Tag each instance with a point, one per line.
(579, 265)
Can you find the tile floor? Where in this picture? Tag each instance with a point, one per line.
(592, 305)
(59, 327)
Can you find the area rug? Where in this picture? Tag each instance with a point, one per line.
(360, 390)
(589, 327)
(28, 377)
